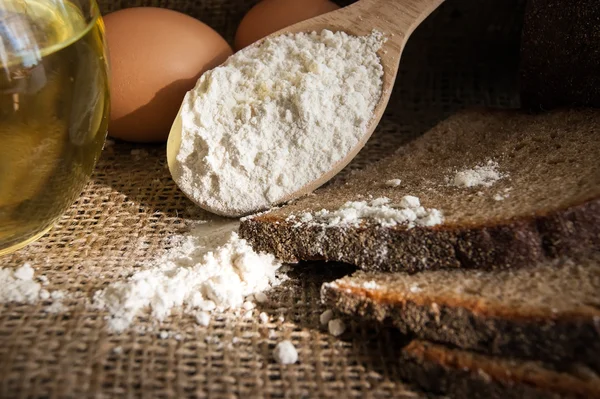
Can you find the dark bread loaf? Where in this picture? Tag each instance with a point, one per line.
(548, 312)
(463, 374)
(552, 169)
(560, 54)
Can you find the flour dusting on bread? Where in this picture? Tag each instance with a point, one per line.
(379, 211)
(480, 175)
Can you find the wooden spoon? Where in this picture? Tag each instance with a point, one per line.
(396, 19)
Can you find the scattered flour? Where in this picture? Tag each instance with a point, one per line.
(285, 352)
(21, 286)
(393, 183)
(481, 175)
(203, 318)
(336, 327)
(18, 285)
(275, 117)
(57, 305)
(379, 211)
(415, 288)
(264, 318)
(201, 273)
(370, 285)
(501, 196)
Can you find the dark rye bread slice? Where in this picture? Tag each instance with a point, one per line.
(463, 374)
(553, 168)
(548, 312)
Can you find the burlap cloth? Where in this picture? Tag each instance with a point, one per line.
(465, 54)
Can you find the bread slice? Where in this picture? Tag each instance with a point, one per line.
(549, 312)
(462, 374)
(547, 204)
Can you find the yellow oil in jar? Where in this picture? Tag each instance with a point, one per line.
(54, 107)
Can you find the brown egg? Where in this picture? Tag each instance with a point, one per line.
(269, 16)
(156, 56)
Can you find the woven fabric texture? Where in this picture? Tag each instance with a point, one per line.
(465, 54)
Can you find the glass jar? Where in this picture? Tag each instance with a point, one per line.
(54, 107)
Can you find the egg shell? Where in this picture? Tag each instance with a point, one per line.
(156, 56)
(269, 16)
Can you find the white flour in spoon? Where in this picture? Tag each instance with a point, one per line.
(275, 117)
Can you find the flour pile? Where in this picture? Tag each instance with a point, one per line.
(480, 175)
(199, 275)
(18, 285)
(275, 117)
(378, 211)
(21, 286)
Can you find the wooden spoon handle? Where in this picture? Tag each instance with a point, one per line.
(398, 16)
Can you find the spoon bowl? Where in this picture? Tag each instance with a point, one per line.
(395, 19)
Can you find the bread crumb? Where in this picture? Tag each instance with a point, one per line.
(203, 319)
(163, 335)
(248, 305)
(393, 182)
(118, 350)
(326, 316)
(336, 327)
(285, 352)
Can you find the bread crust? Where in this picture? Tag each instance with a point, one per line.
(558, 338)
(518, 242)
(465, 375)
